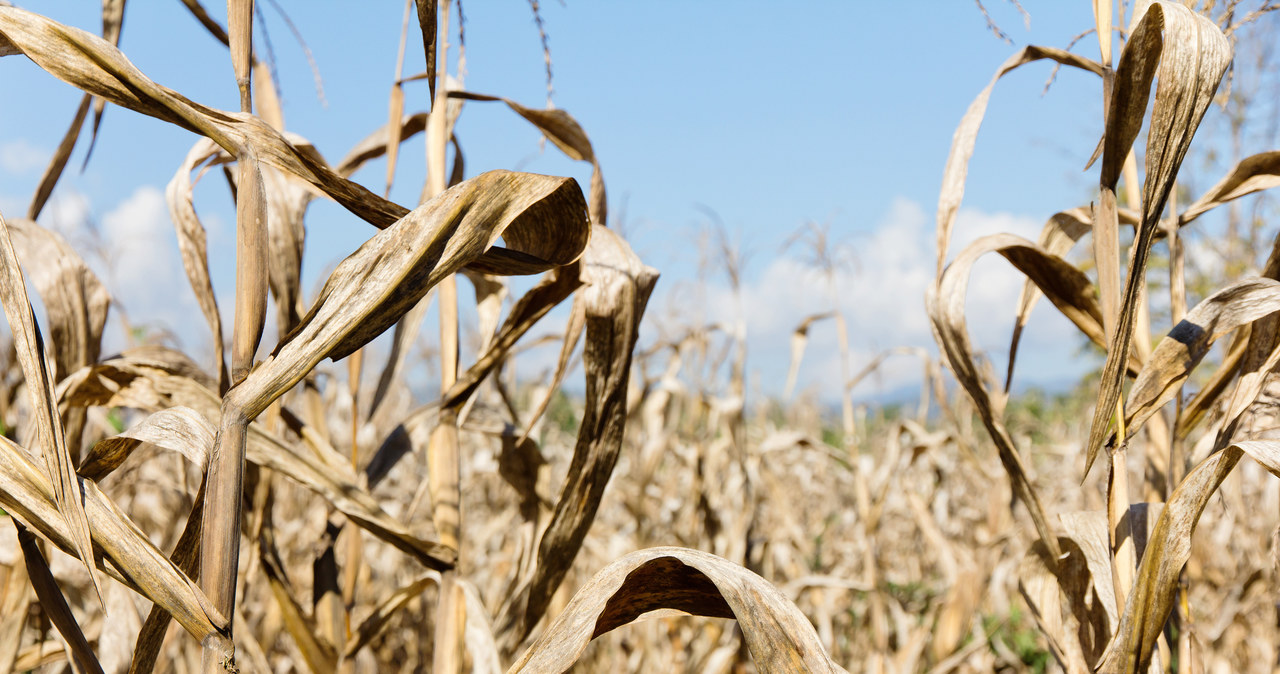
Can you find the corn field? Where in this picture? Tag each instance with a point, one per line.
(261, 510)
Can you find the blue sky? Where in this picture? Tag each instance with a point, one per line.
(770, 116)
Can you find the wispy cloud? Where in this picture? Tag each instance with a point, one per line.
(19, 157)
(881, 295)
(145, 269)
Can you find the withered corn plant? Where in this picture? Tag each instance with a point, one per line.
(428, 548)
(1115, 589)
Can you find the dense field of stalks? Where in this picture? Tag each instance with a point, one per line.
(260, 510)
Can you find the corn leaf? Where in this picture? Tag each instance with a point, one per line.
(29, 347)
(540, 217)
(618, 288)
(777, 634)
(966, 137)
(1189, 54)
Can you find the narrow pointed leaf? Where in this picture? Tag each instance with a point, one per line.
(202, 15)
(966, 137)
(192, 242)
(557, 125)
(618, 289)
(112, 26)
(1189, 54)
(29, 347)
(54, 604)
(75, 300)
(251, 266)
(58, 162)
(427, 21)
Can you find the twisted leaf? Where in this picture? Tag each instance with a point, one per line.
(1190, 54)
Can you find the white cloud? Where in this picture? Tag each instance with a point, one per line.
(881, 296)
(19, 157)
(144, 267)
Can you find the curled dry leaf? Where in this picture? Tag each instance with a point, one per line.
(127, 554)
(1057, 237)
(1252, 174)
(177, 429)
(90, 63)
(287, 201)
(135, 382)
(1069, 290)
(76, 302)
(192, 242)
(29, 348)
(618, 288)
(1189, 54)
(778, 635)
(375, 144)
(569, 344)
(1083, 579)
(1173, 359)
(564, 131)
(1151, 600)
(541, 217)
(966, 136)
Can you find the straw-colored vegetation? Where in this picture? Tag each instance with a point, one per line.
(258, 513)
